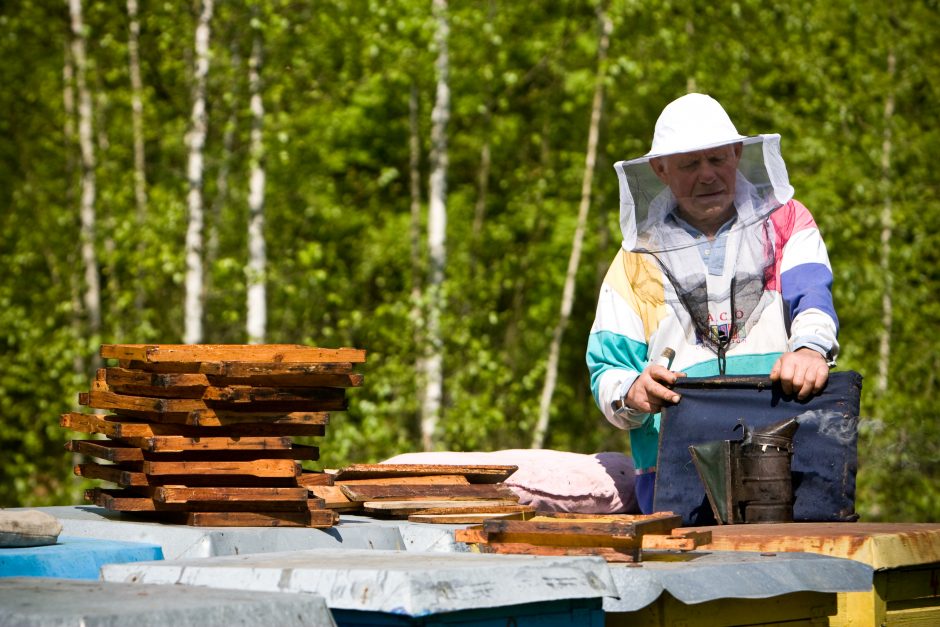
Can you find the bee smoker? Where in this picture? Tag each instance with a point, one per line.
(748, 480)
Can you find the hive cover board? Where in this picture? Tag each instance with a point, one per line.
(825, 456)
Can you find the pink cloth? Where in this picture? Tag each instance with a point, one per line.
(554, 481)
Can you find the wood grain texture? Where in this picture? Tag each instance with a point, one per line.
(184, 353)
(199, 412)
(880, 545)
(406, 508)
(473, 473)
(116, 426)
(117, 451)
(410, 492)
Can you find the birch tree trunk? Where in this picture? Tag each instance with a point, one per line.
(887, 227)
(68, 106)
(92, 294)
(225, 165)
(257, 298)
(196, 140)
(414, 236)
(567, 298)
(437, 228)
(137, 126)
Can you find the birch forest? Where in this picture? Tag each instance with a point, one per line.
(432, 181)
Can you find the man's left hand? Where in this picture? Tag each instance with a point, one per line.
(803, 373)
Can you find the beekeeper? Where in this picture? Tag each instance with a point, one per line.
(719, 264)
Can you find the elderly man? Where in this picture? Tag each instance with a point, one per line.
(720, 269)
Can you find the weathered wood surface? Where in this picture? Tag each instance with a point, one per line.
(880, 545)
(471, 508)
(253, 353)
(406, 508)
(551, 530)
(160, 473)
(197, 412)
(113, 473)
(427, 480)
(473, 473)
(610, 554)
(313, 518)
(198, 385)
(367, 492)
(334, 498)
(614, 537)
(310, 478)
(130, 501)
(129, 427)
(254, 468)
(182, 494)
(241, 394)
(464, 518)
(172, 443)
(224, 372)
(685, 541)
(118, 451)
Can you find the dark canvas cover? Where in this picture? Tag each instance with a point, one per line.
(825, 456)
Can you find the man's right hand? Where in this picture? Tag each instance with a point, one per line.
(651, 391)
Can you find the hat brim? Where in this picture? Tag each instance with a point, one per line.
(745, 139)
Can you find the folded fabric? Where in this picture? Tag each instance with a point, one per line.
(28, 528)
(554, 481)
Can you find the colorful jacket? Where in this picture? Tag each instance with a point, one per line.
(635, 321)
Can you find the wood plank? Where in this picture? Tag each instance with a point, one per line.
(620, 535)
(303, 423)
(367, 492)
(611, 554)
(405, 508)
(141, 383)
(193, 385)
(182, 494)
(615, 530)
(325, 380)
(613, 518)
(273, 395)
(470, 535)
(172, 443)
(426, 480)
(464, 519)
(225, 371)
(687, 541)
(100, 397)
(113, 473)
(481, 542)
(123, 501)
(880, 545)
(334, 498)
(127, 427)
(473, 473)
(309, 479)
(472, 509)
(314, 518)
(255, 468)
(129, 501)
(115, 451)
(198, 412)
(280, 353)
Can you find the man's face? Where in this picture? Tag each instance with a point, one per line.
(702, 181)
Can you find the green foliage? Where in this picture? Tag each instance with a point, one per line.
(337, 79)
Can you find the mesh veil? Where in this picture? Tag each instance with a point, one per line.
(719, 308)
